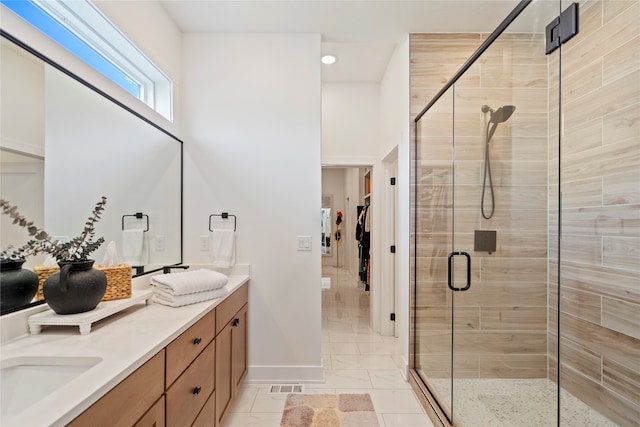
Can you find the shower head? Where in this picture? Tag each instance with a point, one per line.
(502, 114)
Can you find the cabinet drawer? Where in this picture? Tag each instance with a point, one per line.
(229, 307)
(187, 396)
(154, 416)
(129, 400)
(207, 417)
(184, 349)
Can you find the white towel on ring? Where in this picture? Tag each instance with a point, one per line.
(189, 282)
(171, 300)
(224, 248)
(132, 246)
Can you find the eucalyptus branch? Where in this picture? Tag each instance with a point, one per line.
(83, 245)
(41, 242)
(78, 248)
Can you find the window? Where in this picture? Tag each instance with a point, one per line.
(82, 29)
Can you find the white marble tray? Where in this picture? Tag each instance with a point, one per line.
(85, 320)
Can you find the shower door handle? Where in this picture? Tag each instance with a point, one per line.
(450, 271)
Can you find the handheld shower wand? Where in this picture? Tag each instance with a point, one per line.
(496, 117)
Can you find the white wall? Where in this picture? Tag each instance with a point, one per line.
(349, 123)
(22, 103)
(394, 132)
(252, 121)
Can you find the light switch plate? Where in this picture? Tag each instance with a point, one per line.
(304, 243)
(160, 243)
(204, 243)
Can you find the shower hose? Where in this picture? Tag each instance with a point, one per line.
(487, 172)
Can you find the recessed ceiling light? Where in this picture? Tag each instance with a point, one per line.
(328, 59)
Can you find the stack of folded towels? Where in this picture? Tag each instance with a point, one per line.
(190, 287)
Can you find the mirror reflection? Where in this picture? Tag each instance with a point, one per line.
(327, 205)
(63, 146)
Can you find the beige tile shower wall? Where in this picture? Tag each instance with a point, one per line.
(600, 182)
(501, 322)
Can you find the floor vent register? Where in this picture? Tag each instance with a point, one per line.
(286, 388)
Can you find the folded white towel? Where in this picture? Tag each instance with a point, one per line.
(165, 298)
(132, 245)
(224, 248)
(189, 282)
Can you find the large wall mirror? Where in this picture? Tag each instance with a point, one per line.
(63, 145)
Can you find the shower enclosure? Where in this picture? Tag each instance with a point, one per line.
(525, 220)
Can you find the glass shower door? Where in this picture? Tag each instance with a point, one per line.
(433, 203)
(500, 232)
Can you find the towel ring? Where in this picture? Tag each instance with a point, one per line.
(223, 215)
(138, 215)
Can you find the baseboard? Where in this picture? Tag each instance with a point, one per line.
(285, 374)
(404, 368)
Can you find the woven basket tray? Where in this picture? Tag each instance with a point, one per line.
(118, 281)
(43, 272)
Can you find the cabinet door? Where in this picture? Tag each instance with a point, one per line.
(239, 348)
(224, 383)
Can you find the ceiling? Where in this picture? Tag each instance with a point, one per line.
(361, 33)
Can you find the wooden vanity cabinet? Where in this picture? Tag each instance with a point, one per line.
(231, 351)
(190, 382)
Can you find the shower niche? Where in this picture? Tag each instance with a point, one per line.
(511, 325)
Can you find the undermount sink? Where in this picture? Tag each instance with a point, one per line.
(26, 380)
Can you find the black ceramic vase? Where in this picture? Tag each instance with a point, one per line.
(18, 285)
(77, 288)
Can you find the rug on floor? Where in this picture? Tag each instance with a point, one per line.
(329, 410)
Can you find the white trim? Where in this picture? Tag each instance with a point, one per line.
(388, 233)
(348, 161)
(259, 374)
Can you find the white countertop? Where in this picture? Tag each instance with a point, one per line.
(124, 341)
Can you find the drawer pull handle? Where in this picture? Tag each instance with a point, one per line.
(197, 341)
(236, 322)
(197, 390)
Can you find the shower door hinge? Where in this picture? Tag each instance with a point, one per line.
(393, 181)
(562, 28)
(392, 317)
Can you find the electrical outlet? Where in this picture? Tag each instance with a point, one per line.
(160, 243)
(204, 243)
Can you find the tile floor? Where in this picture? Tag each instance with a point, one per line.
(356, 360)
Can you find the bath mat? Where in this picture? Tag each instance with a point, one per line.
(329, 410)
